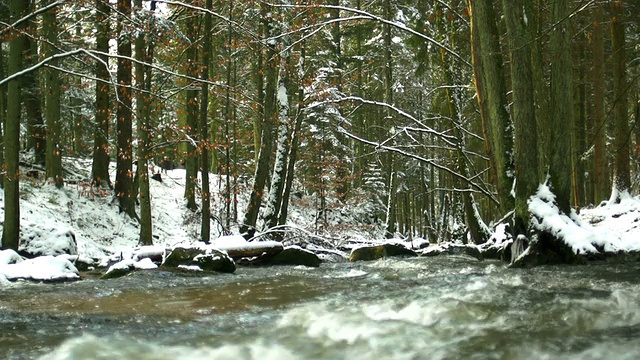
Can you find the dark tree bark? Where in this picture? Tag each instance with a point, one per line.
(100, 164)
(205, 228)
(144, 55)
(31, 97)
(124, 139)
(541, 90)
(17, 46)
(492, 96)
(561, 104)
(621, 171)
(4, 16)
(52, 99)
(601, 175)
(268, 124)
(191, 161)
(519, 35)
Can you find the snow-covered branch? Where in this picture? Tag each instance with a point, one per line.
(431, 162)
(396, 24)
(449, 139)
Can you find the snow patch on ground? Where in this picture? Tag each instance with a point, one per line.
(613, 227)
(42, 268)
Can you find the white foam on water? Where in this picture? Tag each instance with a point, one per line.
(336, 326)
(348, 274)
(91, 347)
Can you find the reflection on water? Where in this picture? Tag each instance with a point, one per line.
(424, 308)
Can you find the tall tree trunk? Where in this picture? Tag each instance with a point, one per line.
(561, 104)
(621, 171)
(36, 130)
(17, 46)
(601, 175)
(274, 199)
(581, 171)
(229, 114)
(3, 93)
(293, 151)
(342, 167)
(519, 34)
(205, 227)
(540, 88)
(492, 96)
(100, 164)
(52, 99)
(144, 55)
(78, 143)
(268, 123)
(124, 124)
(191, 162)
(392, 182)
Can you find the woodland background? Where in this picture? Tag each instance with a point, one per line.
(423, 113)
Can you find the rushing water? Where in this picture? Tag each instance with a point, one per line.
(421, 308)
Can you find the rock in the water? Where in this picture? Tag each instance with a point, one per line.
(117, 272)
(215, 261)
(453, 249)
(368, 253)
(125, 266)
(296, 256)
(209, 259)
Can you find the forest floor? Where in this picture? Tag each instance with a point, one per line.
(51, 218)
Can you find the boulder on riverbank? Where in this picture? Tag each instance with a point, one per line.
(205, 259)
(453, 249)
(368, 253)
(295, 255)
(127, 266)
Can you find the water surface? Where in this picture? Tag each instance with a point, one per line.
(421, 308)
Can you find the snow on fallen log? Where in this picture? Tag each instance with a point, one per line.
(237, 247)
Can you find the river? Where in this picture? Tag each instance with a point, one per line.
(420, 308)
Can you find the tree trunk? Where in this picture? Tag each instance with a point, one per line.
(601, 175)
(293, 151)
(229, 114)
(561, 105)
(78, 143)
(519, 34)
(191, 162)
(621, 171)
(205, 227)
(3, 98)
(392, 181)
(492, 96)
(540, 87)
(124, 139)
(274, 199)
(268, 123)
(100, 164)
(144, 56)
(52, 99)
(17, 45)
(36, 130)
